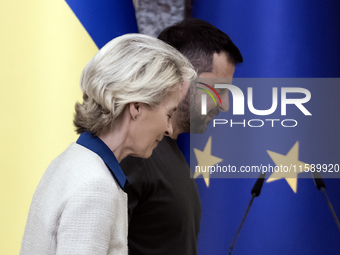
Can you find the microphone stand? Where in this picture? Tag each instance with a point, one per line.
(319, 183)
(255, 192)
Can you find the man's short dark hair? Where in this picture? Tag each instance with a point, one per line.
(198, 40)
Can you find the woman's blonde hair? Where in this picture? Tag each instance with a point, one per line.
(129, 68)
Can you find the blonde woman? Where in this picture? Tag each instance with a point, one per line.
(130, 90)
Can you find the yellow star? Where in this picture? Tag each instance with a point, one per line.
(288, 162)
(204, 161)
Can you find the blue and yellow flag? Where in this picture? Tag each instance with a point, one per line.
(294, 46)
(44, 47)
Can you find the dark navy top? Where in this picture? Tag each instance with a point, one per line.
(95, 144)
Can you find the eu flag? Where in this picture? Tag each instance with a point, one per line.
(285, 44)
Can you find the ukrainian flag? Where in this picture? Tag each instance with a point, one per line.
(44, 47)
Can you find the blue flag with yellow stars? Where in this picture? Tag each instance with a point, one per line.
(283, 119)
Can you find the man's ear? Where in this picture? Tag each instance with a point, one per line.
(135, 110)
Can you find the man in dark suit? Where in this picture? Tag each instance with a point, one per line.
(164, 204)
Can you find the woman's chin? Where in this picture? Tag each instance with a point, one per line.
(148, 152)
(148, 155)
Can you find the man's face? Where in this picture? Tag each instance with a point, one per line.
(222, 73)
(181, 118)
(190, 102)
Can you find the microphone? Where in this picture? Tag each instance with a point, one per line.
(318, 181)
(320, 184)
(255, 192)
(258, 185)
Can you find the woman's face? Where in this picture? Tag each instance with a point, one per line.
(151, 125)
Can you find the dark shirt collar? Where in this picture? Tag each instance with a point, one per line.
(95, 144)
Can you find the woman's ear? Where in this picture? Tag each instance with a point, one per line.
(135, 110)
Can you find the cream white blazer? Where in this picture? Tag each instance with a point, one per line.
(77, 208)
